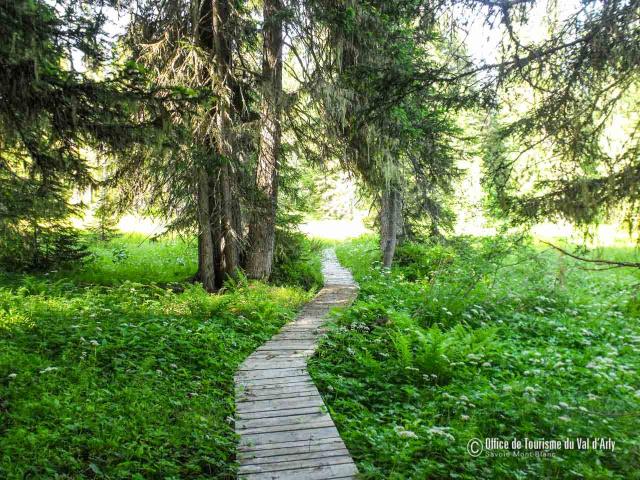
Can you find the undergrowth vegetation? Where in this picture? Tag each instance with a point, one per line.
(463, 340)
(123, 369)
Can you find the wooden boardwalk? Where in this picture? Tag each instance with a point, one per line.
(284, 428)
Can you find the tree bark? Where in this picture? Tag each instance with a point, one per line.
(390, 223)
(228, 184)
(262, 228)
(205, 241)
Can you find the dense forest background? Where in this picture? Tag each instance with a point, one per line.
(218, 116)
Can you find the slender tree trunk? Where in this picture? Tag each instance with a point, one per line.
(205, 242)
(262, 229)
(216, 230)
(228, 185)
(230, 236)
(390, 223)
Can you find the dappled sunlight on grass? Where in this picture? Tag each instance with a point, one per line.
(100, 373)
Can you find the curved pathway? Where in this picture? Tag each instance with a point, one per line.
(284, 428)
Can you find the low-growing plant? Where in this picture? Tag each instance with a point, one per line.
(125, 370)
(477, 338)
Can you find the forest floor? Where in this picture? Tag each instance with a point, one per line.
(481, 338)
(122, 369)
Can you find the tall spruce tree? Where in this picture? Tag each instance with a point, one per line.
(385, 97)
(50, 112)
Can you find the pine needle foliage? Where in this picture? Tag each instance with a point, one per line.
(50, 114)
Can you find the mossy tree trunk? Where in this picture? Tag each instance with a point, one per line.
(390, 223)
(262, 228)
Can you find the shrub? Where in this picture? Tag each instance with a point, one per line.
(297, 260)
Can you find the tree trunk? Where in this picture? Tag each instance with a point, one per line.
(390, 223)
(228, 184)
(216, 230)
(262, 228)
(205, 242)
(230, 236)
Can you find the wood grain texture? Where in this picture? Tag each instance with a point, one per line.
(284, 428)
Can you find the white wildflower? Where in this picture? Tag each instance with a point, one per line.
(13, 375)
(402, 433)
(564, 418)
(442, 431)
(48, 369)
(464, 417)
(563, 404)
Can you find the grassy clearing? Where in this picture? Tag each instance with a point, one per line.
(460, 342)
(120, 369)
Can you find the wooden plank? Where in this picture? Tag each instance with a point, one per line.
(295, 336)
(286, 420)
(303, 350)
(270, 405)
(251, 387)
(268, 390)
(279, 413)
(295, 464)
(276, 355)
(272, 438)
(288, 345)
(328, 472)
(301, 391)
(257, 390)
(271, 373)
(271, 382)
(319, 445)
(265, 364)
(253, 458)
(289, 427)
(264, 391)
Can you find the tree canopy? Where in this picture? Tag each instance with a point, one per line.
(203, 106)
